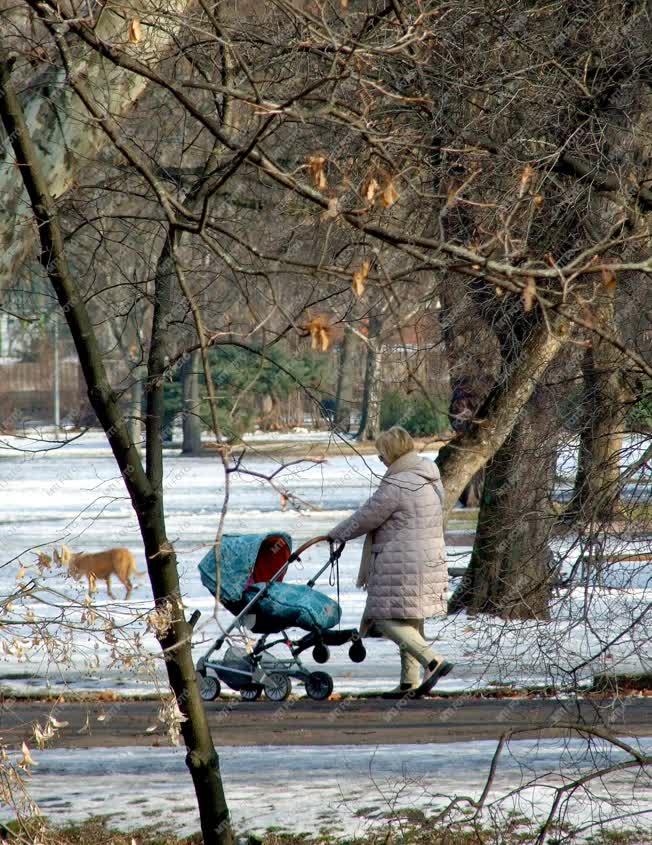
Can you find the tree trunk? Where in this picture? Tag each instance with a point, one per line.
(459, 460)
(369, 428)
(343, 393)
(145, 489)
(372, 396)
(595, 496)
(472, 493)
(201, 759)
(372, 429)
(54, 115)
(191, 417)
(510, 573)
(136, 404)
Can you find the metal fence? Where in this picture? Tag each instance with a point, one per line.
(27, 389)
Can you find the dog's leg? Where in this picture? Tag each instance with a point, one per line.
(108, 586)
(92, 586)
(129, 587)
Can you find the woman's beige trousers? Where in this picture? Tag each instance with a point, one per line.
(414, 650)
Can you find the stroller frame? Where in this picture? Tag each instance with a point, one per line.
(252, 673)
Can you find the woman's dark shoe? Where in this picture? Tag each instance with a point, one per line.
(401, 691)
(435, 671)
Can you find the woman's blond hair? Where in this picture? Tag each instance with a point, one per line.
(394, 443)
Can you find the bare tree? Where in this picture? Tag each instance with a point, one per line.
(144, 485)
(345, 377)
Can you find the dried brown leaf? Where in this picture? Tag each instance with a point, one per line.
(371, 189)
(389, 195)
(451, 198)
(529, 294)
(360, 277)
(608, 278)
(526, 177)
(135, 32)
(26, 759)
(317, 172)
(587, 316)
(320, 330)
(44, 561)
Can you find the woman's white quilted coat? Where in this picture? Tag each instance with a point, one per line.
(408, 577)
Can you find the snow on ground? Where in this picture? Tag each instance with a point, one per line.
(339, 789)
(75, 495)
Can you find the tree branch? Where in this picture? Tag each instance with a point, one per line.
(465, 455)
(52, 256)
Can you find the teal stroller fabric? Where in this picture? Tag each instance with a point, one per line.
(283, 606)
(297, 606)
(238, 553)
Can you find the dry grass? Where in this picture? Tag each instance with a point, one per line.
(413, 828)
(95, 831)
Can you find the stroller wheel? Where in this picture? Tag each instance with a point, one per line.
(357, 652)
(321, 653)
(251, 693)
(209, 686)
(277, 686)
(319, 685)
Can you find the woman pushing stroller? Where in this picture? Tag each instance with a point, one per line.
(403, 565)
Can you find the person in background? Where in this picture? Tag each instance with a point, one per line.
(403, 565)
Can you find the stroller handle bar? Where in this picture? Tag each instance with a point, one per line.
(321, 539)
(333, 558)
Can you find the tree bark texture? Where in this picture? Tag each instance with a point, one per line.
(136, 404)
(459, 460)
(601, 414)
(510, 573)
(191, 401)
(596, 490)
(343, 393)
(53, 113)
(372, 397)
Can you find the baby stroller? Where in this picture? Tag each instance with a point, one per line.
(251, 571)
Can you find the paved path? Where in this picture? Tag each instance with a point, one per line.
(348, 721)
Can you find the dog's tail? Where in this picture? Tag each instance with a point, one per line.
(134, 571)
(132, 567)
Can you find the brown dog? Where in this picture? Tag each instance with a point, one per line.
(118, 562)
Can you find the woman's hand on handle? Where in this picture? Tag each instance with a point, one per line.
(336, 543)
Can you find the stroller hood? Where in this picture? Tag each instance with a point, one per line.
(238, 554)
